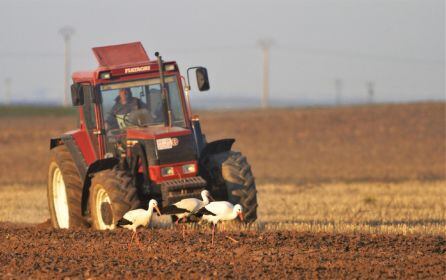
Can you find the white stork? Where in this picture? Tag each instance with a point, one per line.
(187, 207)
(220, 211)
(138, 217)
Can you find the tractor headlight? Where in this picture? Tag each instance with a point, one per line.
(167, 171)
(169, 67)
(188, 168)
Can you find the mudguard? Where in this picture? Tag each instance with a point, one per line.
(99, 165)
(216, 147)
(54, 142)
(76, 154)
(138, 158)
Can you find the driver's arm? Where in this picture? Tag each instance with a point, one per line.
(111, 122)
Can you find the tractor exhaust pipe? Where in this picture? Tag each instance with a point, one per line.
(165, 94)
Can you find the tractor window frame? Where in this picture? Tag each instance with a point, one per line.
(146, 82)
(89, 107)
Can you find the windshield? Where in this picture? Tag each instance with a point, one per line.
(139, 103)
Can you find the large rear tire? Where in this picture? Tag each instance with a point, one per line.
(64, 190)
(231, 178)
(112, 194)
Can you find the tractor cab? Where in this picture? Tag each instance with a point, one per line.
(136, 141)
(135, 110)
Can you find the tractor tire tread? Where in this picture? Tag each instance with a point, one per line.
(73, 184)
(236, 177)
(120, 189)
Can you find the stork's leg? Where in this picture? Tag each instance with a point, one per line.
(136, 237)
(131, 240)
(213, 232)
(184, 227)
(137, 240)
(177, 222)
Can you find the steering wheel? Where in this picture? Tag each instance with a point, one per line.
(138, 117)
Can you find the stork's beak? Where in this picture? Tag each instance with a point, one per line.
(211, 198)
(158, 210)
(240, 214)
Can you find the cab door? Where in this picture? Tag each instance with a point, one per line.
(91, 110)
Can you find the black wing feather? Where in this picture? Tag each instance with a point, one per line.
(173, 209)
(123, 222)
(204, 211)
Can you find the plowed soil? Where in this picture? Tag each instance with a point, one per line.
(38, 252)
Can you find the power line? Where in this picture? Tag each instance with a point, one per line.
(358, 55)
(265, 45)
(22, 54)
(7, 83)
(370, 91)
(66, 33)
(338, 91)
(278, 48)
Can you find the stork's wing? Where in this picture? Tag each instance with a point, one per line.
(220, 208)
(191, 204)
(133, 215)
(173, 209)
(204, 211)
(122, 222)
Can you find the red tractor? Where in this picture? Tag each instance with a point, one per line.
(137, 140)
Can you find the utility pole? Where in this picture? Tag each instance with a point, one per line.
(265, 45)
(338, 91)
(66, 32)
(370, 91)
(8, 82)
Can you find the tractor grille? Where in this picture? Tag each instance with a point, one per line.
(175, 190)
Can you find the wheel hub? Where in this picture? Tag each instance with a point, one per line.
(106, 213)
(104, 210)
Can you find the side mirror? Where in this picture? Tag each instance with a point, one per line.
(77, 94)
(202, 79)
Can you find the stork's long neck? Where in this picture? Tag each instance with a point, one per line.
(150, 210)
(205, 199)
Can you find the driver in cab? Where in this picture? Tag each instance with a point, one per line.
(124, 104)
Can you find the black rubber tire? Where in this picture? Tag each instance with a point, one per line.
(121, 192)
(61, 159)
(231, 179)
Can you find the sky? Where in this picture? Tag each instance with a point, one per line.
(398, 46)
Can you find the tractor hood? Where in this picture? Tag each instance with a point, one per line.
(165, 145)
(156, 132)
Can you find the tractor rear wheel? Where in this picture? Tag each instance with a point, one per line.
(64, 190)
(112, 194)
(232, 179)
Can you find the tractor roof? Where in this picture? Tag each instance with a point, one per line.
(121, 55)
(118, 60)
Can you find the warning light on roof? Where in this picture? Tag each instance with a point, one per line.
(105, 75)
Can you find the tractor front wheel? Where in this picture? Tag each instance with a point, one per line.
(64, 190)
(112, 194)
